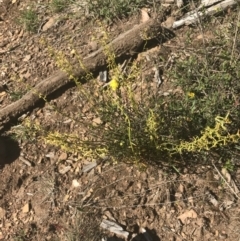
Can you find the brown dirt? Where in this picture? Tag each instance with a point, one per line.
(45, 193)
(126, 44)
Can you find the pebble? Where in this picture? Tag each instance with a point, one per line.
(63, 157)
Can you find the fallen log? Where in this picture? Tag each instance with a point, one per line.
(125, 44)
(208, 10)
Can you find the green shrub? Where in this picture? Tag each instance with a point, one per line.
(111, 10)
(29, 19)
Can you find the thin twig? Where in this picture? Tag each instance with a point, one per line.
(235, 37)
(219, 173)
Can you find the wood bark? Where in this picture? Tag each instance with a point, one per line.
(125, 44)
(194, 16)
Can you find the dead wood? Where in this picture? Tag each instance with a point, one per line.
(205, 9)
(125, 44)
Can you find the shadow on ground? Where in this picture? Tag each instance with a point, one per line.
(147, 236)
(9, 150)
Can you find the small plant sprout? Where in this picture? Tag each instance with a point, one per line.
(29, 19)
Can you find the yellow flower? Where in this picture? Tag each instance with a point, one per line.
(114, 84)
(190, 94)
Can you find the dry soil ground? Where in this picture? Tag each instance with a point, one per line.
(47, 194)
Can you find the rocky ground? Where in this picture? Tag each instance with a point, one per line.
(48, 194)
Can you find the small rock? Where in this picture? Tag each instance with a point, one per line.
(66, 197)
(144, 176)
(27, 58)
(179, 3)
(63, 157)
(97, 121)
(165, 94)
(144, 15)
(26, 208)
(67, 121)
(103, 76)
(49, 24)
(75, 183)
(188, 214)
(50, 155)
(93, 46)
(114, 228)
